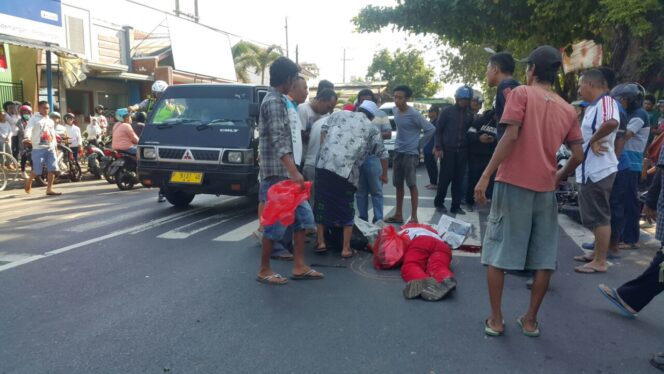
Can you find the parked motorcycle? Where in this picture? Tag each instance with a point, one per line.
(124, 169)
(567, 193)
(67, 163)
(94, 156)
(107, 160)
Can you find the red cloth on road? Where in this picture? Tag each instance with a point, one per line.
(427, 257)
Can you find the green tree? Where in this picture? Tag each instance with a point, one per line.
(247, 56)
(631, 31)
(404, 67)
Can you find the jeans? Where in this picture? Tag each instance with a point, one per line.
(432, 167)
(304, 217)
(625, 212)
(370, 183)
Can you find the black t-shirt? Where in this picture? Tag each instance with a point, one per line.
(504, 88)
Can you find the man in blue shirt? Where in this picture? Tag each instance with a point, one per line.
(413, 132)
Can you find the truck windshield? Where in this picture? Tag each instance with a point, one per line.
(201, 111)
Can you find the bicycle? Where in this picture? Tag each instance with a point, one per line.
(9, 168)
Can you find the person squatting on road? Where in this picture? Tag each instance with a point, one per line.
(347, 139)
(452, 149)
(277, 164)
(371, 171)
(595, 176)
(413, 132)
(426, 264)
(633, 296)
(522, 227)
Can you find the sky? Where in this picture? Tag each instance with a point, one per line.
(320, 29)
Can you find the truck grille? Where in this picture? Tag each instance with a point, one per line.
(205, 154)
(171, 153)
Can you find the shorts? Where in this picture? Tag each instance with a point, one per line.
(41, 156)
(595, 202)
(304, 216)
(404, 168)
(522, 229)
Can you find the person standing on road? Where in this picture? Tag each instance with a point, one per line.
(371, 171)
(430, 160)
(413, 132)
(277, 164)
(499, 74)
(347, 139)
(25, 113)
(310, 112)
(481, 145)
(41, 133)
(5, 138)
(633, 296)
(74, 134)
(452, 149)
(598, 171)
(522, 227)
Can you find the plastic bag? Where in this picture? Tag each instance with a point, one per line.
(282, 200)
(369, 230)
(389, 248)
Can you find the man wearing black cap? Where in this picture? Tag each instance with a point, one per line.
(522, 228)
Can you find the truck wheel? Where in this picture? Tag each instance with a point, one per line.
(179, 199)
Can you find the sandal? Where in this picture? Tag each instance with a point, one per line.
(274, 279)
(628, 246)
(585, 269)
(321, 248)
(283, 257)
(583, 258)
(393, 219)
(53, 193)
(309, 275)
(612, 295)
(530, 334)
(488, 330)
(352, 254)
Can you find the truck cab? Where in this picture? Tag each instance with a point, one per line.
(202, 139)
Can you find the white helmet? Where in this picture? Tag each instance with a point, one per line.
(159, 86)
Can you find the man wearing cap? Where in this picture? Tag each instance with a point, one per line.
(452, 148)
(371, 170)
(522, 227)
(347, 139)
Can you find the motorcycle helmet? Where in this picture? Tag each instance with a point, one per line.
(158, 87)
(633, 93)
(463, 92)
(25, 108)
(54, 115)
(99, 107)
(69, 115)
(121, 113)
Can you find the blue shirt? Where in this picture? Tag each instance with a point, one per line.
(410, 125)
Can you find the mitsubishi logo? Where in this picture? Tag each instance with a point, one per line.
(188, 155)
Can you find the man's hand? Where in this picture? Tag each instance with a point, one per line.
(486, 139)
(480, 189)
(559, 177)
(384, 178)
(650, 214)
(438, 153)
(297, 178)
(599, 148)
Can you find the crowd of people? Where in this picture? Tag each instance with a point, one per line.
(505, 156)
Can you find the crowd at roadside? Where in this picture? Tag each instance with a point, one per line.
(505, 156)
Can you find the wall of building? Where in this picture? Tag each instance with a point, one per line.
(6, 74)
(24, 68)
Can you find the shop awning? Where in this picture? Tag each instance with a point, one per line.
(36, 44)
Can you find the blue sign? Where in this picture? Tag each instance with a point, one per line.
(42, 11)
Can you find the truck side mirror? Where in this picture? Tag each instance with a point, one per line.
(254, 110)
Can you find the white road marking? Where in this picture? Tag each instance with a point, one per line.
(238, 234)
(457, 253)
(11, 257)
(408, 197)
(183, 232)
(575, 231)
(97, 223)
(425, 215)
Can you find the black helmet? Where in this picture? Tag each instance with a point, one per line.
(632, 92)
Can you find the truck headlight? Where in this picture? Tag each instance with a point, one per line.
(149, 153)
(234, 157)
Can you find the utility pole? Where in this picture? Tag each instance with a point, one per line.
(344, 62)
(286, 28)
(297, 54)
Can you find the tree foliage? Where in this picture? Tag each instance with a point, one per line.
(631, 31)
(404, 67)
(248, 56)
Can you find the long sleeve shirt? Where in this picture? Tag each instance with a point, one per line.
(451, 127)
(413, 131)
(274, 135)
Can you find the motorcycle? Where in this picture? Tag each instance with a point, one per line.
(124, 169)
(94, 156)
(567, 193)
(105, 165)
(67, 163)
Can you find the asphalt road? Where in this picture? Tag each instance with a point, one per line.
(104, 281)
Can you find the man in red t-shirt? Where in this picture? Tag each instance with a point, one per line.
(522, 228)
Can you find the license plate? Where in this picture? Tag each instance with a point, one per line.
(186, 177)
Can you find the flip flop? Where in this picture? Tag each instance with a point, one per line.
(52, 193)
(272, 279)
(530, 334)
(284, 257)
(629, 246)
(320, 249)
(393, 220)
(582, 258)
(352, 254)
(612, 295)
(585, 269)
(309, 275)
(491, 332)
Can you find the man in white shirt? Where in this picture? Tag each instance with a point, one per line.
(41, 133)
(597, 173)
(310, 112)
(12, 117)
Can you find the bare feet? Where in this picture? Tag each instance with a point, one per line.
(28, 186)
